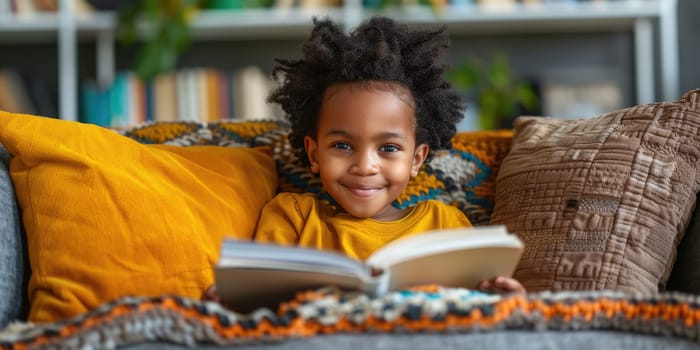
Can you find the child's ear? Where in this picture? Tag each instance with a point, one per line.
(311, 147)
(419, 156)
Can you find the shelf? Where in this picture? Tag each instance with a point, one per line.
(588, 16)
(260, 23)
(643, 18)
(36, 28)
(266, 23)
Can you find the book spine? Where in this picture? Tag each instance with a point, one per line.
(118, 100)
(15, 95)
(182, 100)
(149, 98)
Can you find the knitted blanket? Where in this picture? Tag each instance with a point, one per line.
(135, 320)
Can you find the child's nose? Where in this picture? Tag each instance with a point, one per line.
(366, 163)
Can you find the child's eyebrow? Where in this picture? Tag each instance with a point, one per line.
(382, 136)
(338, 133)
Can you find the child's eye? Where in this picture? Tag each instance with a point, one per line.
(390, 148)
(342, 145)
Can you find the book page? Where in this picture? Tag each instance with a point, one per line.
(452, 258)
(433, 242)
(456, 268)
(288, 257)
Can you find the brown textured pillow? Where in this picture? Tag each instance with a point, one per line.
(601, 203)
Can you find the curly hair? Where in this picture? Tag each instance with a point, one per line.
(378, 50)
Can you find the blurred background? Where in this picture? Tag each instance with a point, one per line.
(117, 63)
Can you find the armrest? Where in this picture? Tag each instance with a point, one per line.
(14, 264)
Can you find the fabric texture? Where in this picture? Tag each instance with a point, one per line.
(301, 219)
(602, 203)
(13, 262)
(453, 311)
(107, 217)
(473, 189)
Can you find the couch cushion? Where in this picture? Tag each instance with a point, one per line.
(601, 203)
(13, 264)
(106, 216)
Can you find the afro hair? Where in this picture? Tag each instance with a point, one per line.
(381, 50)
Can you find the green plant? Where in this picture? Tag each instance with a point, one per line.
(163, 29)
(499, 93)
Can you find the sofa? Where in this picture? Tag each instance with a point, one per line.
(107, 237)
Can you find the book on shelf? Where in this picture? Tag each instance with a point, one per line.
(495, 2)
(94, 104)
(122, 103)
(164, 97)
(31, 7)
(251, 86)
(319, 3)
(250, 275)
(190, 94)
(305, 4)
(120, 100)
(14, 94)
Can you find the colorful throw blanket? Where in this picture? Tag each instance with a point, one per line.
(134, 320)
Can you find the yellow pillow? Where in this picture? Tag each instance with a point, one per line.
(107, 217)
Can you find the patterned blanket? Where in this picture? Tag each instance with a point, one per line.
(189, 322)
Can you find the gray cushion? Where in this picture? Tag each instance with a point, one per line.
(515, 339)
(13, 257)
(685, 276)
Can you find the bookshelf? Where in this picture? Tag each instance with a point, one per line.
(644, 18)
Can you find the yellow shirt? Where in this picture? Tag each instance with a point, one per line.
(301, 219)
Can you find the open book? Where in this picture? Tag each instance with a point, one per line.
(250, 275)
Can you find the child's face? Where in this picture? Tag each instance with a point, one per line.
(365, 150)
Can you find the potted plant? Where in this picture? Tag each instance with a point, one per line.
(500, 96)
(164, 28)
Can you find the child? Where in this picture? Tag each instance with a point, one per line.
(366, 109)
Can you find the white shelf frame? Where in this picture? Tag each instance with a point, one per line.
(639, 16)
(67, 61)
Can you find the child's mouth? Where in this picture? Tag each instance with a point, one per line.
(363, 192)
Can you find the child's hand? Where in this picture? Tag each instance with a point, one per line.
(211, 295)
(502, 285)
